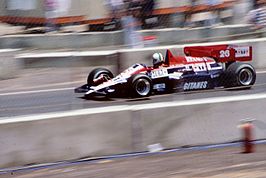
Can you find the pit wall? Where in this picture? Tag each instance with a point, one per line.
(9, 65)
(76, 41)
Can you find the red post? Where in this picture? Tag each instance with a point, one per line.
(248, 146)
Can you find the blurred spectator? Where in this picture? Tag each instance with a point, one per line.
(254, 4)
(133, 39)
(188, 16)
(115, 7)
(257, 17)
(135, 4)
(135, 7)
(214, 17)
(50, 15)
(147, 7)
(142, 9)
(63, 7)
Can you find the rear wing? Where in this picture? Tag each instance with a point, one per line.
(221, 53)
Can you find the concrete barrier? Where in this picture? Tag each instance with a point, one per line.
(60, 41)
(121, 59)
(123, 129)
(63, 138)
(207, 124)
(100, 39)
(9, 65)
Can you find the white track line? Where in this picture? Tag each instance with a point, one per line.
(35, 91)
(8, 50)
(42, 87)
(261, 72)
(120, 108)
(213, 100)
(67, 54)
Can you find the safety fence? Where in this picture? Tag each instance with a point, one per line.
(100, 16)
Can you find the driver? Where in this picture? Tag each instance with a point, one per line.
(157, 60)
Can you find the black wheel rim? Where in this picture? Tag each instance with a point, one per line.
(245, 76)
(143, 87)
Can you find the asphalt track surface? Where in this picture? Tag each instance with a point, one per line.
(39, 91)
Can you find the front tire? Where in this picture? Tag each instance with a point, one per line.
(240, 75)
(96, 73)
(140, 85)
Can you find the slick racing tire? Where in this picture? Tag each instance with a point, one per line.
(96, 73)
(240, 75)
(140, 85)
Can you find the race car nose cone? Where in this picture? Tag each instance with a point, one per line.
(89, 92)
(82, 89)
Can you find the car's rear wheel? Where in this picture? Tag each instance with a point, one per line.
(140, 85)
(245, 76)
(98, 76)
(240, 75)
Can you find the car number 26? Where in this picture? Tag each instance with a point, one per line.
(224, 53)
(159, 73)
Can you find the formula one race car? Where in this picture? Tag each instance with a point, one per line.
(203, 67)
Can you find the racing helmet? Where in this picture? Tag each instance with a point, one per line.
(157, 59)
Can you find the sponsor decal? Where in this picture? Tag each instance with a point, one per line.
(159, 86)
(175, 75)
(215, 75)
(242, 51)
(195, 85)
(159, 73)
(195, 59)
(198, 67)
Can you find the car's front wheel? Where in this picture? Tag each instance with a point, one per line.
(140, 85)
(98, 76)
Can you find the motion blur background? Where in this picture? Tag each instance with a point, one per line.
(65, 25)
(104, 15)
(48, 47)
(42, 32)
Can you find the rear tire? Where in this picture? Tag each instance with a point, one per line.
(140, 85)
(94, 74)
(239, 75)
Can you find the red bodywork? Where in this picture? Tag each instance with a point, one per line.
(171, 60)
(221, 53)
